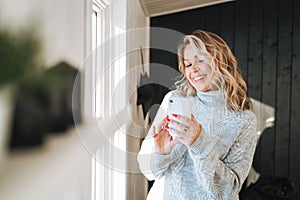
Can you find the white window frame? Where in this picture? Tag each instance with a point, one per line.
(100, 174)
(107, 183)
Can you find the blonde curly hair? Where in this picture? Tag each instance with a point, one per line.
(224, 68)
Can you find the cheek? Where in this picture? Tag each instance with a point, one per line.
(207, 68)
(187, 74)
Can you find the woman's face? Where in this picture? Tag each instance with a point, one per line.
(197, 71)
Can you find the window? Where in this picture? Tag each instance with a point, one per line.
(98, 28)
(108, 67)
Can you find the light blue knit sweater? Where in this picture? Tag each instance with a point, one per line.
(216, 164)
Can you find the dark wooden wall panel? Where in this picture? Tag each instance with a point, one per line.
(255, 49)
(255, 55)
(227, 24)
(241, 32)
(294, 160)
(264, 36)
(283, 87)
(213, 19)
(200, 18)
(269, 82)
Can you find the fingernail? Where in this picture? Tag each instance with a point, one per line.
(167, 119)
(174, 115)
(166, 127)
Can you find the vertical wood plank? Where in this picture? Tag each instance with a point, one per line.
(269, 82)
(227, 23)
(183, 18)
(198, 18)
(213, 19)
(255, 49)
(255, 59)
(295, 108)
(241, 36)
(283, 88)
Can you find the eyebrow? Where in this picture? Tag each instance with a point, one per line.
(185, 59)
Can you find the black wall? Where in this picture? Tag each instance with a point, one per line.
(264, 36)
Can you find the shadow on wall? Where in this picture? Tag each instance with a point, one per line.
(265, 119)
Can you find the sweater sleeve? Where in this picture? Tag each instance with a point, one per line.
(153, 164)
(223, 179)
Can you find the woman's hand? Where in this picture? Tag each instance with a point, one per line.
(186, 131)
(163, 141)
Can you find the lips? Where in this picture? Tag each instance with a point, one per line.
(197, 78)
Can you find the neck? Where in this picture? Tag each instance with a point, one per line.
(212, 98)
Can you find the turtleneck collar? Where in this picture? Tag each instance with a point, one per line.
(212, 98)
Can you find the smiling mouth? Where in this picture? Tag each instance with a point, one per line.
(199, 78)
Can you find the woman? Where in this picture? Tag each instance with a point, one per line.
(212, 153)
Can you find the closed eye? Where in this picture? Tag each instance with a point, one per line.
(188, 65)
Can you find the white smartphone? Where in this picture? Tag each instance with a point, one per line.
(181, 106)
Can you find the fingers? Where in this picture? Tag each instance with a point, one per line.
(180, 123)
(185, 129)
(178, 126)
(185, 120)
(180, 136)
(177, 133)
(159, 127)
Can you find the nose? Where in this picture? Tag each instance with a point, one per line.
(194, 66)
(195, 63)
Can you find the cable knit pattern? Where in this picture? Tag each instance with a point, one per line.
(217, 163)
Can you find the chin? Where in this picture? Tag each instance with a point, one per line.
(202, 88)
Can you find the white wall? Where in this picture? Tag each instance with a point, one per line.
(63, 28)
(51, 171)
(60, 24)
